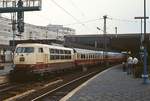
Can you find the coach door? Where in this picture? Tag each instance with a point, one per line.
(40, 55)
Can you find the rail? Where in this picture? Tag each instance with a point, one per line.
(65, 85)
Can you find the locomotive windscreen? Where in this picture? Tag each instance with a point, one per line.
(25, 50)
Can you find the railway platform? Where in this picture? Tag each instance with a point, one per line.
(5, 68)
(111, 85)
(4, 71)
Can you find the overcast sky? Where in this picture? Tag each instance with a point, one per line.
(85, 15)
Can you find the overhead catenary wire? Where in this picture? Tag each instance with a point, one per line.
(72, 3)
(126, 20)
(88, 21)
(67, 12)
(122, 20)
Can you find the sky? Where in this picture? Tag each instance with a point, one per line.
(86, 15)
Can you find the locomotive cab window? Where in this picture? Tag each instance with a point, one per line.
(40, 50)
(25, 50)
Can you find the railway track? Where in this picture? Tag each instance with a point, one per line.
(9, 91)
(3, 84)
(50, 89)
(3, 80)
(6, 87)
(59, 92)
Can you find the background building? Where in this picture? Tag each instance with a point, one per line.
(31, 32)
(61, 31)
(122, 42)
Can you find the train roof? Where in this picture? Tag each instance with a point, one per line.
(85, 51)
(42, 45)
(114, 53)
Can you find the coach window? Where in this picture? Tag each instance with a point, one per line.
(94, 56)
(51, 50)
(62, 57)
(66, 57)
(61, 52)
(65, 51)
(52, 57)
(69, 56)
(81, 56)
(86, 56)
(56, 51)
(90, 56)
(69, 52)
(40, 50)
(78, 56)
(97, 56)
(57, 57)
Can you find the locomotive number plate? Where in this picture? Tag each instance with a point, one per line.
(22, 59)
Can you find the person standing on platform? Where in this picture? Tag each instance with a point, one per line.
(129, 68)
(123, 66)
(135, 61)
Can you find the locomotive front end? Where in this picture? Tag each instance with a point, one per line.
(24, 58)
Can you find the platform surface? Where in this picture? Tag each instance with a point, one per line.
(5, 68)
(111, 85)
